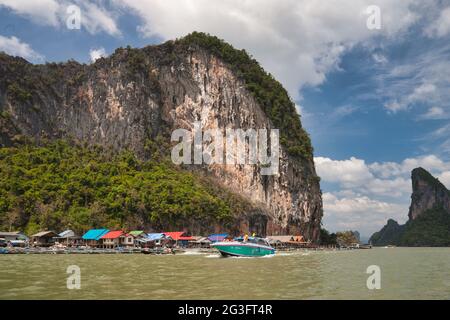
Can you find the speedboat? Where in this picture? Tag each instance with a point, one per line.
(252, 247)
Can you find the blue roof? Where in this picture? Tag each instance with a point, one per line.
(217, 237)
(155, 236)
(94, 234)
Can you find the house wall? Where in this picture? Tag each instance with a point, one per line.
(110, 243)
(127, 241)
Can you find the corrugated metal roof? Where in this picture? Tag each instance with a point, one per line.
(17, 234)
(155, 236)
(113, 234)
(202, 240)
(174, 235)
(186, 238)
(179, 235)
(45, 233)
(136, 232)
(217, 237)
(14, 233)
(281, 238)
(67, 234)
(94, 234)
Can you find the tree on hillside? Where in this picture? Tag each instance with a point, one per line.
(346, 238)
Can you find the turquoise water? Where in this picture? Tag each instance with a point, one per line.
(406, 273)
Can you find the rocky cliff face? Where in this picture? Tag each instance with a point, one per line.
(141, 95)
(429, 216)
(428, 193)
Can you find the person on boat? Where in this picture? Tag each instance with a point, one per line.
(245, 237)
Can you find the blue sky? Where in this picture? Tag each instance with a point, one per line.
(376, 102)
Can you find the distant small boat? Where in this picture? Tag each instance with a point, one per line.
(253, 247)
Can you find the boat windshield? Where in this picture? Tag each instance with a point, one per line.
(261, 241)
(257, 240)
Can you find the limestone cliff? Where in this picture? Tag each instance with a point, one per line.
(428, 193)
(141, 95)
(429, 216)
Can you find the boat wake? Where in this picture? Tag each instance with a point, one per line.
(269, 256)
(284, 254)
(194, 253)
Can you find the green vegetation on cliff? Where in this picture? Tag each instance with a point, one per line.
(346, 238)
(60, 185)
(389, 235)
(326, 238)
(268, 92)
(430, 229)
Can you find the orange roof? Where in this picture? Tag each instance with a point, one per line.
(186, 238)
(177, 235)
(113, 234)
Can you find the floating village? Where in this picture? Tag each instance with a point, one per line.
(97, 241)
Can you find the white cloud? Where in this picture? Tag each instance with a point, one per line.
(300, 110)
(297, 41)
(365, 195)
(445, 178)
(351, 172)
(97, 54)
(434, 113)
(360, 213)
(13, 46)
(425, 92)
(381, 179)
(441, 26)
(417, 83)
(94, 17)
(395, 106)
(42, 12)
(404, 168)
(379, 58)
(354, 174)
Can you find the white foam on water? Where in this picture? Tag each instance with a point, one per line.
(193, 253)
(268, 256)
(284, 254)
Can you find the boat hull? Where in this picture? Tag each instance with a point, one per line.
(243, 250)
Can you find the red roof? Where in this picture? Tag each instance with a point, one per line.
(177, 235)
(185, 238)
(113, 234)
